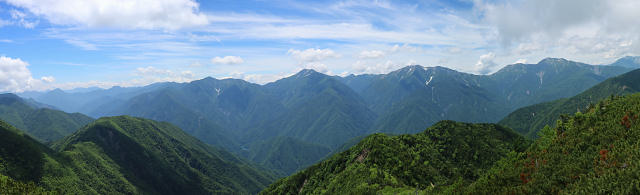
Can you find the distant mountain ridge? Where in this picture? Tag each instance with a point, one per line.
(328, 111)
(38, 120)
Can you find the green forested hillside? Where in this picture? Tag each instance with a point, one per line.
(286, 154)
(595, 152)
(11, 186)
(529, 120)
(43, 124)
(126, 155)
(168, 105)
(159, 158)
(447, 153)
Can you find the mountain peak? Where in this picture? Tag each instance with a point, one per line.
(306, 72)
(209, 78)
(57, 90)
(8, 98)
(552, 60)
(628, 61)
(411, 68)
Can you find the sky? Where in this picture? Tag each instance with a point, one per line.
(47, 44)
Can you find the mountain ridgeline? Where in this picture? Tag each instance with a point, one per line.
(315, 109)
(529, 120)
(126, 155)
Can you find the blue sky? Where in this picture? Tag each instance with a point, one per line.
(46, 44)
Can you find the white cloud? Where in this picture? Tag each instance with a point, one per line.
(16, 77)
(148, 75)
(127, 14)
(486, 63)
(362, 67)
(188, 74)
(373, 54)
(585, 30)
(404, 47)
(150, 70)
(322, 68)
(313, 55)
(258, 78)
(48, 79)
(227, 60)
(521, 61)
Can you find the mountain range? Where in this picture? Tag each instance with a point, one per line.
(360, 128)
(314, 109)
(590, 152)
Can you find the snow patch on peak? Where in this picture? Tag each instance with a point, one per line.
(305, 73)
(429, 81)
(540, 76)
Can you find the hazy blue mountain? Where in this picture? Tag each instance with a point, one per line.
(628, 61)
(358, 82)
(212, 110)
(90, 102)
(164, 105)
(530, 119)
(416, 97)
(552, 78)
(44, 124)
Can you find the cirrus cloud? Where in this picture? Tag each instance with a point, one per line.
(127, 14)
